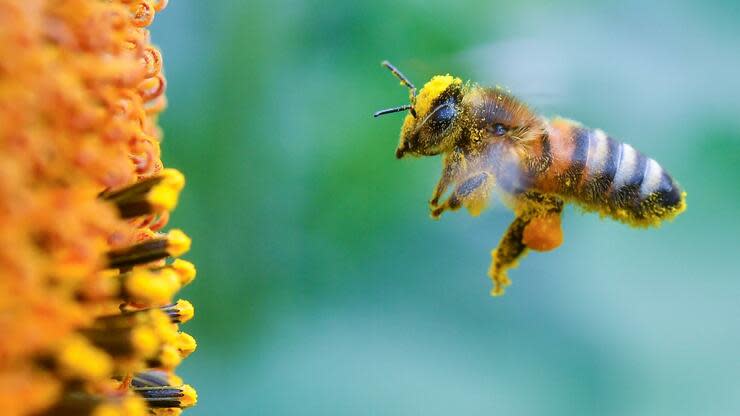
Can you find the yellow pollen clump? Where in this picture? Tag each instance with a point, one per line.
(431, 90)
(177, 243)
(164, 195)
(185, 309)
(173, 178)
(189, 396)
(162, 198)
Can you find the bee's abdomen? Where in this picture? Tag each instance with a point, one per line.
(611, 177)
(642, 190)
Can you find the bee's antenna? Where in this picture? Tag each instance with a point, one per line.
(405, 81)
(412, 92)
(393, 110)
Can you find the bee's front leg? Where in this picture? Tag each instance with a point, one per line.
(453, 163)
(472, 193)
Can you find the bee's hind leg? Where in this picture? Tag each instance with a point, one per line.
(472, 193)
(505, 256)
(537, 226)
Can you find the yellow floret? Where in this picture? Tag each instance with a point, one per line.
(107, 409)
(79, 359)
(134, 406)
(185, 344)
(185, 269)
(130, 406)
(145, 341)
(152, 287)
(169, 357)
(162, 325)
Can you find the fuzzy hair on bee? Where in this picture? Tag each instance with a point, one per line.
(488, 137)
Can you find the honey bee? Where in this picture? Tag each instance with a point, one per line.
(486, 136)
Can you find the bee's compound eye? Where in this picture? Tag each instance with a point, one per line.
(499, 129)
(442, 117)
(446, 112)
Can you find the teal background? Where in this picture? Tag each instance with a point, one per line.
(325, 289)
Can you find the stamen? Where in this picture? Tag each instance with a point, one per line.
(172, 245)
(133, 333)
(180, 311)
(153, 378)
(138, 341)
(129, 318)
(184, 269)
(168, 396)
(152, 195)
(176, 313)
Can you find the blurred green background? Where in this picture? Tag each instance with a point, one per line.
(325, 289)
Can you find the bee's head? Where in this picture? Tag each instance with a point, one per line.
(433, 120)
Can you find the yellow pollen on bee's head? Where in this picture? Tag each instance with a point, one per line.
(431, 90)
(408, 124)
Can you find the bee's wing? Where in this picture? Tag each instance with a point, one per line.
(491, 171)
(506, 161)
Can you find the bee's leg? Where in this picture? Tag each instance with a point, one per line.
(472, 192)
(452, 166)
(506, 255)
(543, 232)
(537, 226)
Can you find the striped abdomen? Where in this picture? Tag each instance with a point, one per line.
(602, 174)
